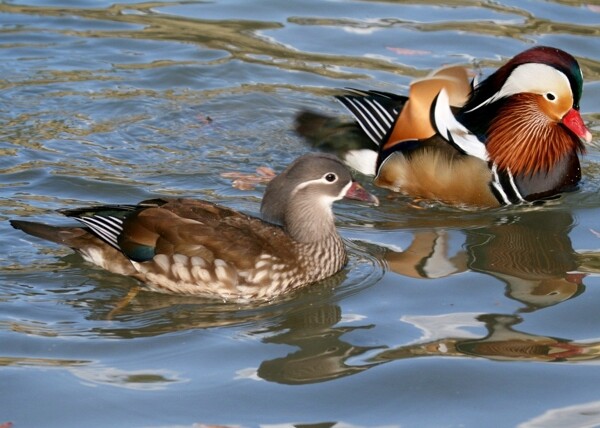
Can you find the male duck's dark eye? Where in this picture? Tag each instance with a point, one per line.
(331, 177)
(550, 96)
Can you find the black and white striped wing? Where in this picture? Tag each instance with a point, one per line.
(108, 228)
(106, 221)
(376, 112)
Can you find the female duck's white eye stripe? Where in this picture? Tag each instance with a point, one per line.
(321, 181)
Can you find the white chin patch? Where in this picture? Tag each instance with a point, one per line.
(363, 161)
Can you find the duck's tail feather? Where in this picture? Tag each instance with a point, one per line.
(58, 234)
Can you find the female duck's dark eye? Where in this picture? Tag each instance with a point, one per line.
(550, 96)
(331, 177)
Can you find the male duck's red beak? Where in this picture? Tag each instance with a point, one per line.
(574, 122)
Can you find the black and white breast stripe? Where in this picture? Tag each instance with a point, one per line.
(106, 228)
(505, 188)
(374, 112)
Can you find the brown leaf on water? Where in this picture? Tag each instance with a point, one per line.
(205, 120)
(6, 425)
(244, 181)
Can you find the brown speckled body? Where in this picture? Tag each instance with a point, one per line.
(270, 276)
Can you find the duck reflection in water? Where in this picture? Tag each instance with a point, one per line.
(529, 250)
(502, 343)
(322, 353)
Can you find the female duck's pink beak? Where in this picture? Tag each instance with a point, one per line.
(356, 191)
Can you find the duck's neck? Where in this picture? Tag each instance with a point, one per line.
(320, 248)
(310, 222)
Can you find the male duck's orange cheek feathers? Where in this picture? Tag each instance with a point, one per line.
(555, 110)
(413, 123)
(432, 174)
(525, 141)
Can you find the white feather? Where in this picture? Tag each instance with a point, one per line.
(454, 131)
(363, 160)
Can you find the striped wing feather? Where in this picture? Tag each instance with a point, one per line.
(374, 111)
(187, 227)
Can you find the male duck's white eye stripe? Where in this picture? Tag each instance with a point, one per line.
(107, 228)
(531, 78)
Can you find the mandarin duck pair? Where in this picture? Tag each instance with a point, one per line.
(513, 138)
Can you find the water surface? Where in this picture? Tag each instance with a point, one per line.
(443, 317)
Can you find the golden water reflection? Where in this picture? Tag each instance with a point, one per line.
(529, 251)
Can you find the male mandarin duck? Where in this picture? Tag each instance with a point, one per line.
(513, 138)
(195, 247)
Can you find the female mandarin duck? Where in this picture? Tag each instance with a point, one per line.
(195, 247)
(513, 138)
